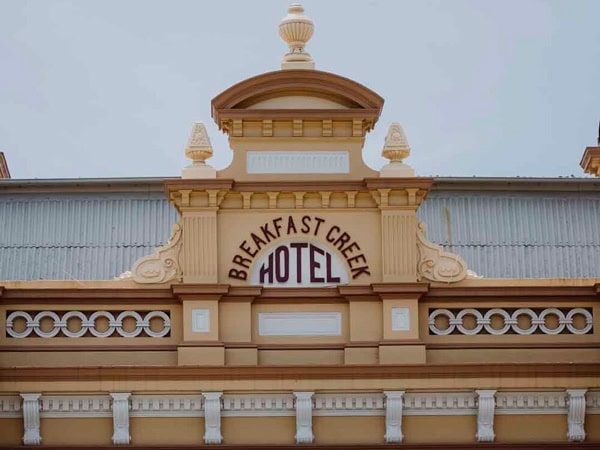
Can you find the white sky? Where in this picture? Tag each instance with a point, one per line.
(111, 88)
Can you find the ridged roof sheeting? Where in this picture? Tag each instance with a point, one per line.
(518, 235)
(79, 236)
(98, 235)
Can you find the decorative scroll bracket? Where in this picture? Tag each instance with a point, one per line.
(435, 264)
(163, 265)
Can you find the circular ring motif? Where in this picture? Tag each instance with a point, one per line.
(38, 319)
(588, 321)
(166, 324)
(9, 324)
(111, 326)
(552, 311)
(441, 312)
(81, 316)
(469, 312)
(497, 312)
(529, 312)
(137, 329)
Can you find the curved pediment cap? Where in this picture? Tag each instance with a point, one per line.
(341, 97)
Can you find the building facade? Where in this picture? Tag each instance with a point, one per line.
(301, 297)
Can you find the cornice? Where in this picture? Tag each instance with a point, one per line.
(330, 372)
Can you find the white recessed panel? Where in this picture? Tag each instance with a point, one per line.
(200, 320)
(297, 162)
(400, 319)
(300, 324)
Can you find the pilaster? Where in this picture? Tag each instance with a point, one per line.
(399, 246)
(393, 416)
(120, 410)
(485, 415)
(31, 419)
(199, 253)
(304, 433)
(576, 414)
(212, 417)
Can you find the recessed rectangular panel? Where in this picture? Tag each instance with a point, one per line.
(300, 324)
(274, 162)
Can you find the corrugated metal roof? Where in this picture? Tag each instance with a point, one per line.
(99, 233)
(79, 236)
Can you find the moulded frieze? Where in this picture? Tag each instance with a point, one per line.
(167, 405)
(348, 404)
(592, 401)
(55, 406)
(258, 405)
(31, 418)
(439, 403)
(10, 406)
(550, 402)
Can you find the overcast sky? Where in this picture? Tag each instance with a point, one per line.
(111, 88)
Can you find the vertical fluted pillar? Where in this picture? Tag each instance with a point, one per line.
(120, 410)
(485, 415)
(304, 433)
(31, 419)
(212, 417)
(576, 414)
(393, 416)
(399, 246)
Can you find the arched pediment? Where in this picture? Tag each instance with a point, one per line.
(288, 90)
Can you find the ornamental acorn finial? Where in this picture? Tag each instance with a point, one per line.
(395, 149)
(199, 150)
(296, 29)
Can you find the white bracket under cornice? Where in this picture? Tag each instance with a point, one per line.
(485, 415)
(304, 407)
(393, 416)
(120, 410)
(212, 417)
(31, 418)
(576, 414)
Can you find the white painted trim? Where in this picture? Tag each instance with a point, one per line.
(349, 404)
(201, 320)
(120, 413)
(300, 324)
(212, 417)
(531, 402)
(10, 406)
(167, 405)
(440, 404)
(70, 406)
(400, 319)
(297, 162)
(576, 415)
(393, 416)
(31, 418)
(304, 413)
(485, 415)
(258, 405)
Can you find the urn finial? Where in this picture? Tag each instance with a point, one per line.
(296, 29)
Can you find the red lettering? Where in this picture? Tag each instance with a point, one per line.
(330, 277)
(277, 225)
(342, 240)
(268, 234)
(305, 224)
(257, 241)
(353, 246)
(267, 270)
(282, 268)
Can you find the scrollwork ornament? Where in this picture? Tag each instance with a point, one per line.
(435, 264)
(163, 265)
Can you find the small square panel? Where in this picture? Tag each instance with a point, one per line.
(400, 319)
(200, 320)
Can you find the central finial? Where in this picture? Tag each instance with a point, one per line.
(296, 29)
